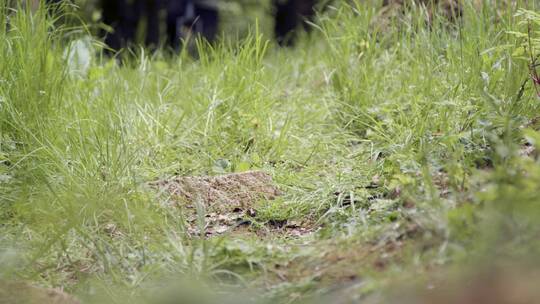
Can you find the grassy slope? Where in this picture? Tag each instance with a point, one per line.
(419, 128)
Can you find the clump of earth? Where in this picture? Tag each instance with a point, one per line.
(223, 192)
(218, 204)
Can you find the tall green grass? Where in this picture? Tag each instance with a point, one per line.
(361, 119)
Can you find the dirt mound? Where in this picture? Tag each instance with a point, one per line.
(237, 190)
(227, 200)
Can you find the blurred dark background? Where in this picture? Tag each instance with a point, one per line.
(163, 23)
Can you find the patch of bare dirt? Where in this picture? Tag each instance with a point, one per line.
(14, 293)
(342, 262)
(226, 203)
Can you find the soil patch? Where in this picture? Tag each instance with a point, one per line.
(219, 204)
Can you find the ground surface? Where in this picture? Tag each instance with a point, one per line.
(384, 152)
